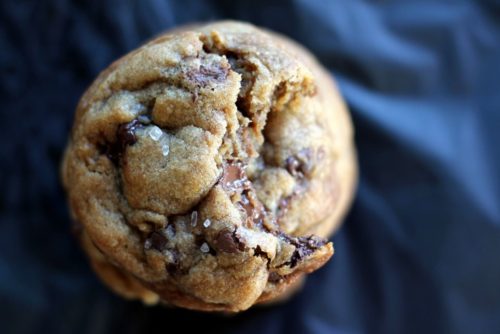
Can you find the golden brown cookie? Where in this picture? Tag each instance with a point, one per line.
(206, 168)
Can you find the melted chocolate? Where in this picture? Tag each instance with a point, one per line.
(246, 205)
(208, 74)
(234, 177)
(253, 208)
(234, 180)
(156, 240)
(227, 242)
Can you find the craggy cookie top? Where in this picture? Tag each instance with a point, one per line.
(200, 164)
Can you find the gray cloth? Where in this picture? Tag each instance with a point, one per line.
(420, 250)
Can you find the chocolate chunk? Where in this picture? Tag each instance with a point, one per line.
(234, 177)
(246, 204)
(156, 241)
(292, 165)
(304, 246)
(313, 241)
(172, 268)
(207, 74)
(253, 208)
(274, 277)
(301, 164)
(125, 136)
(227, 241)
(259, 252)
(126, 133)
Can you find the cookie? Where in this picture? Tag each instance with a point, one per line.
(206, 169)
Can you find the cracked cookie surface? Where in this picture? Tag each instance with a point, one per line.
(207, 167)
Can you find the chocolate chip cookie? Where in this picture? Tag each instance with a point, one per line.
(206, 168)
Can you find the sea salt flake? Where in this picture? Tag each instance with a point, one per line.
(155, 133)
(144, 119)
(204, 248)
(170, 231)
(194, 218)
(165, 147)
(207, 223)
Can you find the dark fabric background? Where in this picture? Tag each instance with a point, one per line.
(420, 250)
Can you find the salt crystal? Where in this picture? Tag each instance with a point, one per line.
(155, 133)
(165, 148)
(170, 231)
(144, 119)
(207, 223)
(194, 218)
(204, 248)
